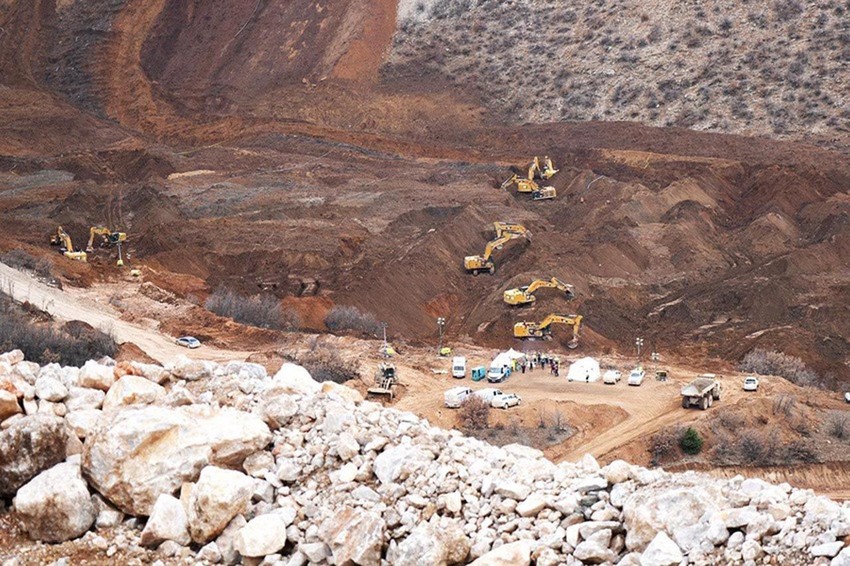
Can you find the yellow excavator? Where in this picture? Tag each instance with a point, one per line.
(110, 238)
(545, 171)
(536, 171)
(544, 329)
(63, 240)
(504, 233)
(525, 295)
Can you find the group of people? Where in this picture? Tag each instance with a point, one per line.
(536, 359)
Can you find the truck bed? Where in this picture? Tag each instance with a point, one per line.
(698, 387)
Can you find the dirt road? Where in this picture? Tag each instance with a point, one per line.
(70, 305)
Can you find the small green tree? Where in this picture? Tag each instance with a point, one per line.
(691, 441)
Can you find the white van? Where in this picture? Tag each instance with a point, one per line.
(455, 396)
(636, 376)
(498, 372)
(488, 394)
(458, 367)
(611, 377)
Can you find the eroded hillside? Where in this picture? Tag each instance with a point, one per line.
(776, 68)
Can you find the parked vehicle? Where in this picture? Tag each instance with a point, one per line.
(505, 401)
(488, 394)
(459, 367)
(189, 342)
(455, 396)
(479, 373)
(636, 376)
(847, 397)
(661, 375)
(498, 373)
(751, 383)
(701, 392)
(611, 377)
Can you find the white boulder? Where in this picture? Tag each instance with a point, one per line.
(167, 522)
(133, 390)
(262, 536)
(55, 506)
(215, 500)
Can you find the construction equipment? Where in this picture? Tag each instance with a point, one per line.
(66, 247)
(110, 238)
(701, 392)
(385, 381)
(545, 171)
(529, 186)
(525, 295)
(544, 328)
(504, 233)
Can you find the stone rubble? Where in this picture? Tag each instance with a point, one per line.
(222, 463)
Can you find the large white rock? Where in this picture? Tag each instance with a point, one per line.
(354, 536)
(139, 453)
(278, 409)
(29, 446)
(431, 544)
(398, 462)
(50, 389)
(192, 370)
(133, 390)
(513, 490)
(594, 549)
(664, 508)
(262, 535)
(828, 549)
(8, 405)
(347, 446)
(80, 398)
(83, 423)
(292, 378)
(531, 506)
(155, 373)
(662, 551)
(96, 376)
(512, 554)
(215, 500)
(55, 506)
(167, 522)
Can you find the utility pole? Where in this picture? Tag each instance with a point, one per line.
(383, 326)
(441, 324)
(639, 344)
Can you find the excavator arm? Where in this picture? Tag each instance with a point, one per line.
(504, 233)
(63, 240)
(110, 237)
(542, 330)
(525, 295)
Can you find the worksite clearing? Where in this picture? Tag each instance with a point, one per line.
(302, 156)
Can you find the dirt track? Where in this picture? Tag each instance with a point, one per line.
(69, 305)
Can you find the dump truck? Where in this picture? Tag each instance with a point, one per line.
(702, 392)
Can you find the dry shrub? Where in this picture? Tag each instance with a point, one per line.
(262, 311)
(44, 343)
(665, 444)
(343, 318)
(20, 259)
(838, 425)
(769, 362)
(474, 413)
(325, 364)
(784, 404)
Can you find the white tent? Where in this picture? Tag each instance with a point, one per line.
(514, 355)
(503, 359)
(585, 369)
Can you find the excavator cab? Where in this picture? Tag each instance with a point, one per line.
(385, 381)
(543, 329)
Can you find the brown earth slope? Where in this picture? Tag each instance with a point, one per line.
(309, 166)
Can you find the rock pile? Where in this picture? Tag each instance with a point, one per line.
(223, 463)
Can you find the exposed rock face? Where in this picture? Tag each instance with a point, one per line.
(262, 535)
(140, 453)
(166, 522)
(354, 536)
(30, 445)
(132, 390)
(56, 506)
(345, 481)
(217, 498)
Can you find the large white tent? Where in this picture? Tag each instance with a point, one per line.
(585, 369)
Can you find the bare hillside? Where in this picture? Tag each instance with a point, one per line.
(776, 68)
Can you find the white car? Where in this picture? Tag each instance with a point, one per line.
(636, 376)
(847, 397)
(455, 396)
(505, 401)
(188, 342)
(611, 377)
(751, 383)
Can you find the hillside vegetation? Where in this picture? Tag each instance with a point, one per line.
(776, 68)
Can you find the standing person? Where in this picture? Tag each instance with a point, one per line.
(522, 366)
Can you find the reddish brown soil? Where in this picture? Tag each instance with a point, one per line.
(321, 169)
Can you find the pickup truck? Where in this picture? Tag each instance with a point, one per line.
(702, 392)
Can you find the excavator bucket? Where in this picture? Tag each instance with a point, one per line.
(573, 344)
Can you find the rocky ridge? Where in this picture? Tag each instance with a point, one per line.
(222, 463)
